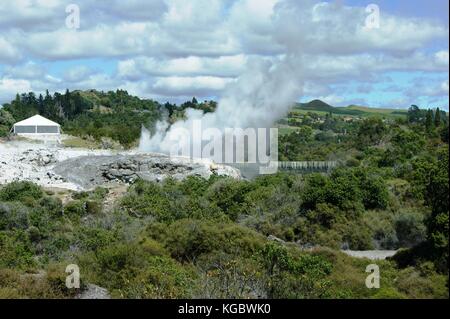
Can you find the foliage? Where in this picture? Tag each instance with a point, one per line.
(20, 191)
(275, 236)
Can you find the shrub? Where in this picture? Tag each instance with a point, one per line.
(187, 239)
(92, 239)
(93, 207)
(34, 234)
(101, 192)
(132, 271)
(228, 194)
(291, 276)
(13, 216)
(410, 228)
(75, 208)
(357, 235)
(374, 192)
(225, 276)
(52, 206)
(15, 251)
(324, 215)
(18, 191)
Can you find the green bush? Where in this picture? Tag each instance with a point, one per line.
(132, 271)
(410, 228)
(19, 191)
(75, 208)
(15, 251)
(188, 239)
(93, 207)
(291, 276)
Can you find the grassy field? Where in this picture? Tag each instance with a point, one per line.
(322, 108)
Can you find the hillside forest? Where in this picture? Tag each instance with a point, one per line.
(275, 236)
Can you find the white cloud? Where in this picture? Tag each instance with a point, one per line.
(225, 66)
(185, 48)
(335, 29)
(444, 87)
(200, 85)
(78, 73)
(442, 59)
(8, 53)
(10, 87)
(29, 70)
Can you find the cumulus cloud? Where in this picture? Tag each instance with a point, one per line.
(199, 85)
(8, 53)
(441, 58)
(78, 74)
(10, 87)
(29, 70)
(336, 29)
(224, 66)
(176, 48)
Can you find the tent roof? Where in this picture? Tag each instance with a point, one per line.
(36, 120)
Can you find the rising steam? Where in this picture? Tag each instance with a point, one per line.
(259, 97)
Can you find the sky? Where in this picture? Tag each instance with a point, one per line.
(172, 50)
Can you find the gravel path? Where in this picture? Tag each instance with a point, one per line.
(371, 254)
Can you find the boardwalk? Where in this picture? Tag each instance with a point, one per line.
(307, 166)
(250, 170)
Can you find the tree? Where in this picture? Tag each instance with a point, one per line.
(414, 114)
(41, 104)
(429, 120)
(437, 118)
(437, 197)
(6, 121)
(371, 131)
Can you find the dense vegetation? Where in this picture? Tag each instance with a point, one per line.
(277, 236)
(96, 115)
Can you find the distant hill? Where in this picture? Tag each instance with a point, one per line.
(351, 110)
(316, 105)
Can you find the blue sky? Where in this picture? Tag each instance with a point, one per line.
(171, 50)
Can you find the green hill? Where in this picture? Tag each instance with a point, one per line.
(316, 105)
(351, 110)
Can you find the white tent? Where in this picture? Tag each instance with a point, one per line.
(35, 126)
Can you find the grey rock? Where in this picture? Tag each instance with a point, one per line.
(91, 171)
(94, 292)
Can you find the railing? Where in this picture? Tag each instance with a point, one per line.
(308, 165)
(299, 167)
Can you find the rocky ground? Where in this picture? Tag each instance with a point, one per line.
(94, 292)
(78, 169)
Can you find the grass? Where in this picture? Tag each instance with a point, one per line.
(286, 130)
(78, 142)
(352, 110)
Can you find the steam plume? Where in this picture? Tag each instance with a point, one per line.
(260, 96)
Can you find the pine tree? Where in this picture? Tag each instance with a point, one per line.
(437, 118)
(41, 104)
(429, 120)
(48, 101)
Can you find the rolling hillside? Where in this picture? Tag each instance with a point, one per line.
(351, 110)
